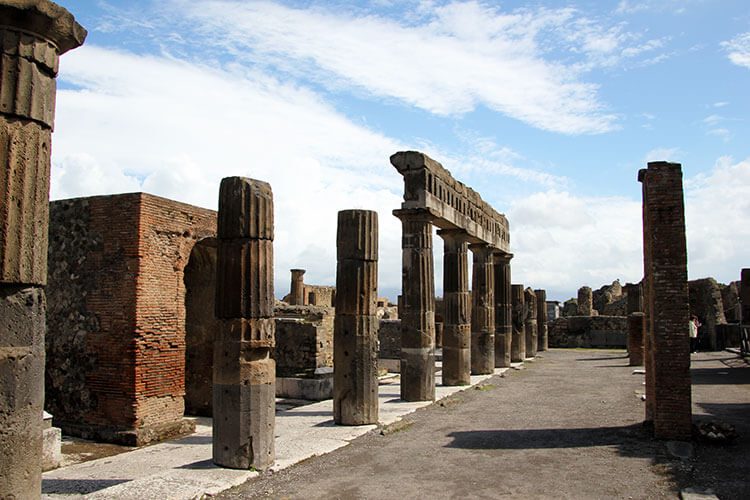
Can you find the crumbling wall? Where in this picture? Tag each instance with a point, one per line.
(589, 331)
(706, 303)
(116, 342)
(304, 340)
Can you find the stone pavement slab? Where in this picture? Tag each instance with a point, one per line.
(183, 469)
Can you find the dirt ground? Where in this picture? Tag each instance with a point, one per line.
(569, 425)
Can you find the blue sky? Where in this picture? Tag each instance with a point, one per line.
(548, 109)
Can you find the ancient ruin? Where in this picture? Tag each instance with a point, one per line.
(585, 301)
(244, 374)
(456, 306)
(503, 311)
(432, 196)
(666, 306)
(745, 311)
(518, 343)
(541, 320)
(355, 344)
(530, 324)
(34, 34)
(297, 293)
(131, 286)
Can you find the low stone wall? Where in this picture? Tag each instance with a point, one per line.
(304, 341)
(589, 331)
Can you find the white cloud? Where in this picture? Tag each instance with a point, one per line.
(465, 54)
(739, 49)
(716, 208)
(720, 104)
(175, 129)
(663, 154)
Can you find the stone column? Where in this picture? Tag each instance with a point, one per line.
(636, 327)
(518, 342)
(503, 310)
(635, 297)
(541, 320)
(585, 301)
(33, 34)
(355, 332)
(457, 307)
(297, 293)
(529, 299)
(482, 310)
(666, 294)
(418, 307)
(244, 373)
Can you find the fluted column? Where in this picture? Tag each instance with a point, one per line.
(33, 34)
(482, 311)
(503, 310)
(457, 309)
(355, 333)
(244, 373)
(518, 342)
(541, 320)
(418, 307)
(585, 301)
(297, 293)
(529, 299)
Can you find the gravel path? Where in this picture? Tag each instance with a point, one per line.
(569, 425)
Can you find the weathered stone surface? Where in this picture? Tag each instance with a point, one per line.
(244, 279)
(33, 33)
(418, 307)
(245, 209)
(730, 298)
(244, 374)
(456, 309)
(297, 292)
(745, 296)
(668, 397)
(605, 297)
(482, 310)
(541, 320)
(22, 326)
(585, 304)
(503, 310)
(355, 346)
(518, 343)
(304, 342)
(389, 339)
(589, 331)
(530, 324)
(430, 187)
(636, 328)
(706, 303)
(634, 293)
(570, 307)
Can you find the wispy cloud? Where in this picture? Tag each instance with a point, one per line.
(460, 55)
(663, 154)
(738, 49)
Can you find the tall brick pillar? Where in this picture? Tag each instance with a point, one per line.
(635, 297)
(418, 307)
(541, 320)
(585, 301)
(297, 293)
(33, 34)
(529, 299)
(666, 301)
(503, 310)
(457, 308)
(482, 310)
(244, 373)
(518, 338)
(355, 332)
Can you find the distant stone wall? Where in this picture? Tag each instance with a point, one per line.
(589, 331)
(304, 341)
(320, 295)
(389, 336)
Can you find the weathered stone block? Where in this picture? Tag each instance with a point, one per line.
(356, 287)
(254, 332)
(518, 341)
(244, 280)
(355, 374)
(357, 236)
(245, 209)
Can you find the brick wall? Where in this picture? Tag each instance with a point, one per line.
(118, 308)
(668, 394)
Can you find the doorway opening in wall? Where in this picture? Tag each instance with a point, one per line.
(200, 325)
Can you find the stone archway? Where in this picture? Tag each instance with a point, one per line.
(200, 324)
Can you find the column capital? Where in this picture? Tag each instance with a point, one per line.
(502, 257)
(44, 19)
(453, 234)
(415, 214)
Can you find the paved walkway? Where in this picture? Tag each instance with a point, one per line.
(182, 469)
(566, 426)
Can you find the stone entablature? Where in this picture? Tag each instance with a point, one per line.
(430, 187)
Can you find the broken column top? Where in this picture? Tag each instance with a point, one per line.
(245, 209)
(44, 18)
(431, 188)
(364, 225)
